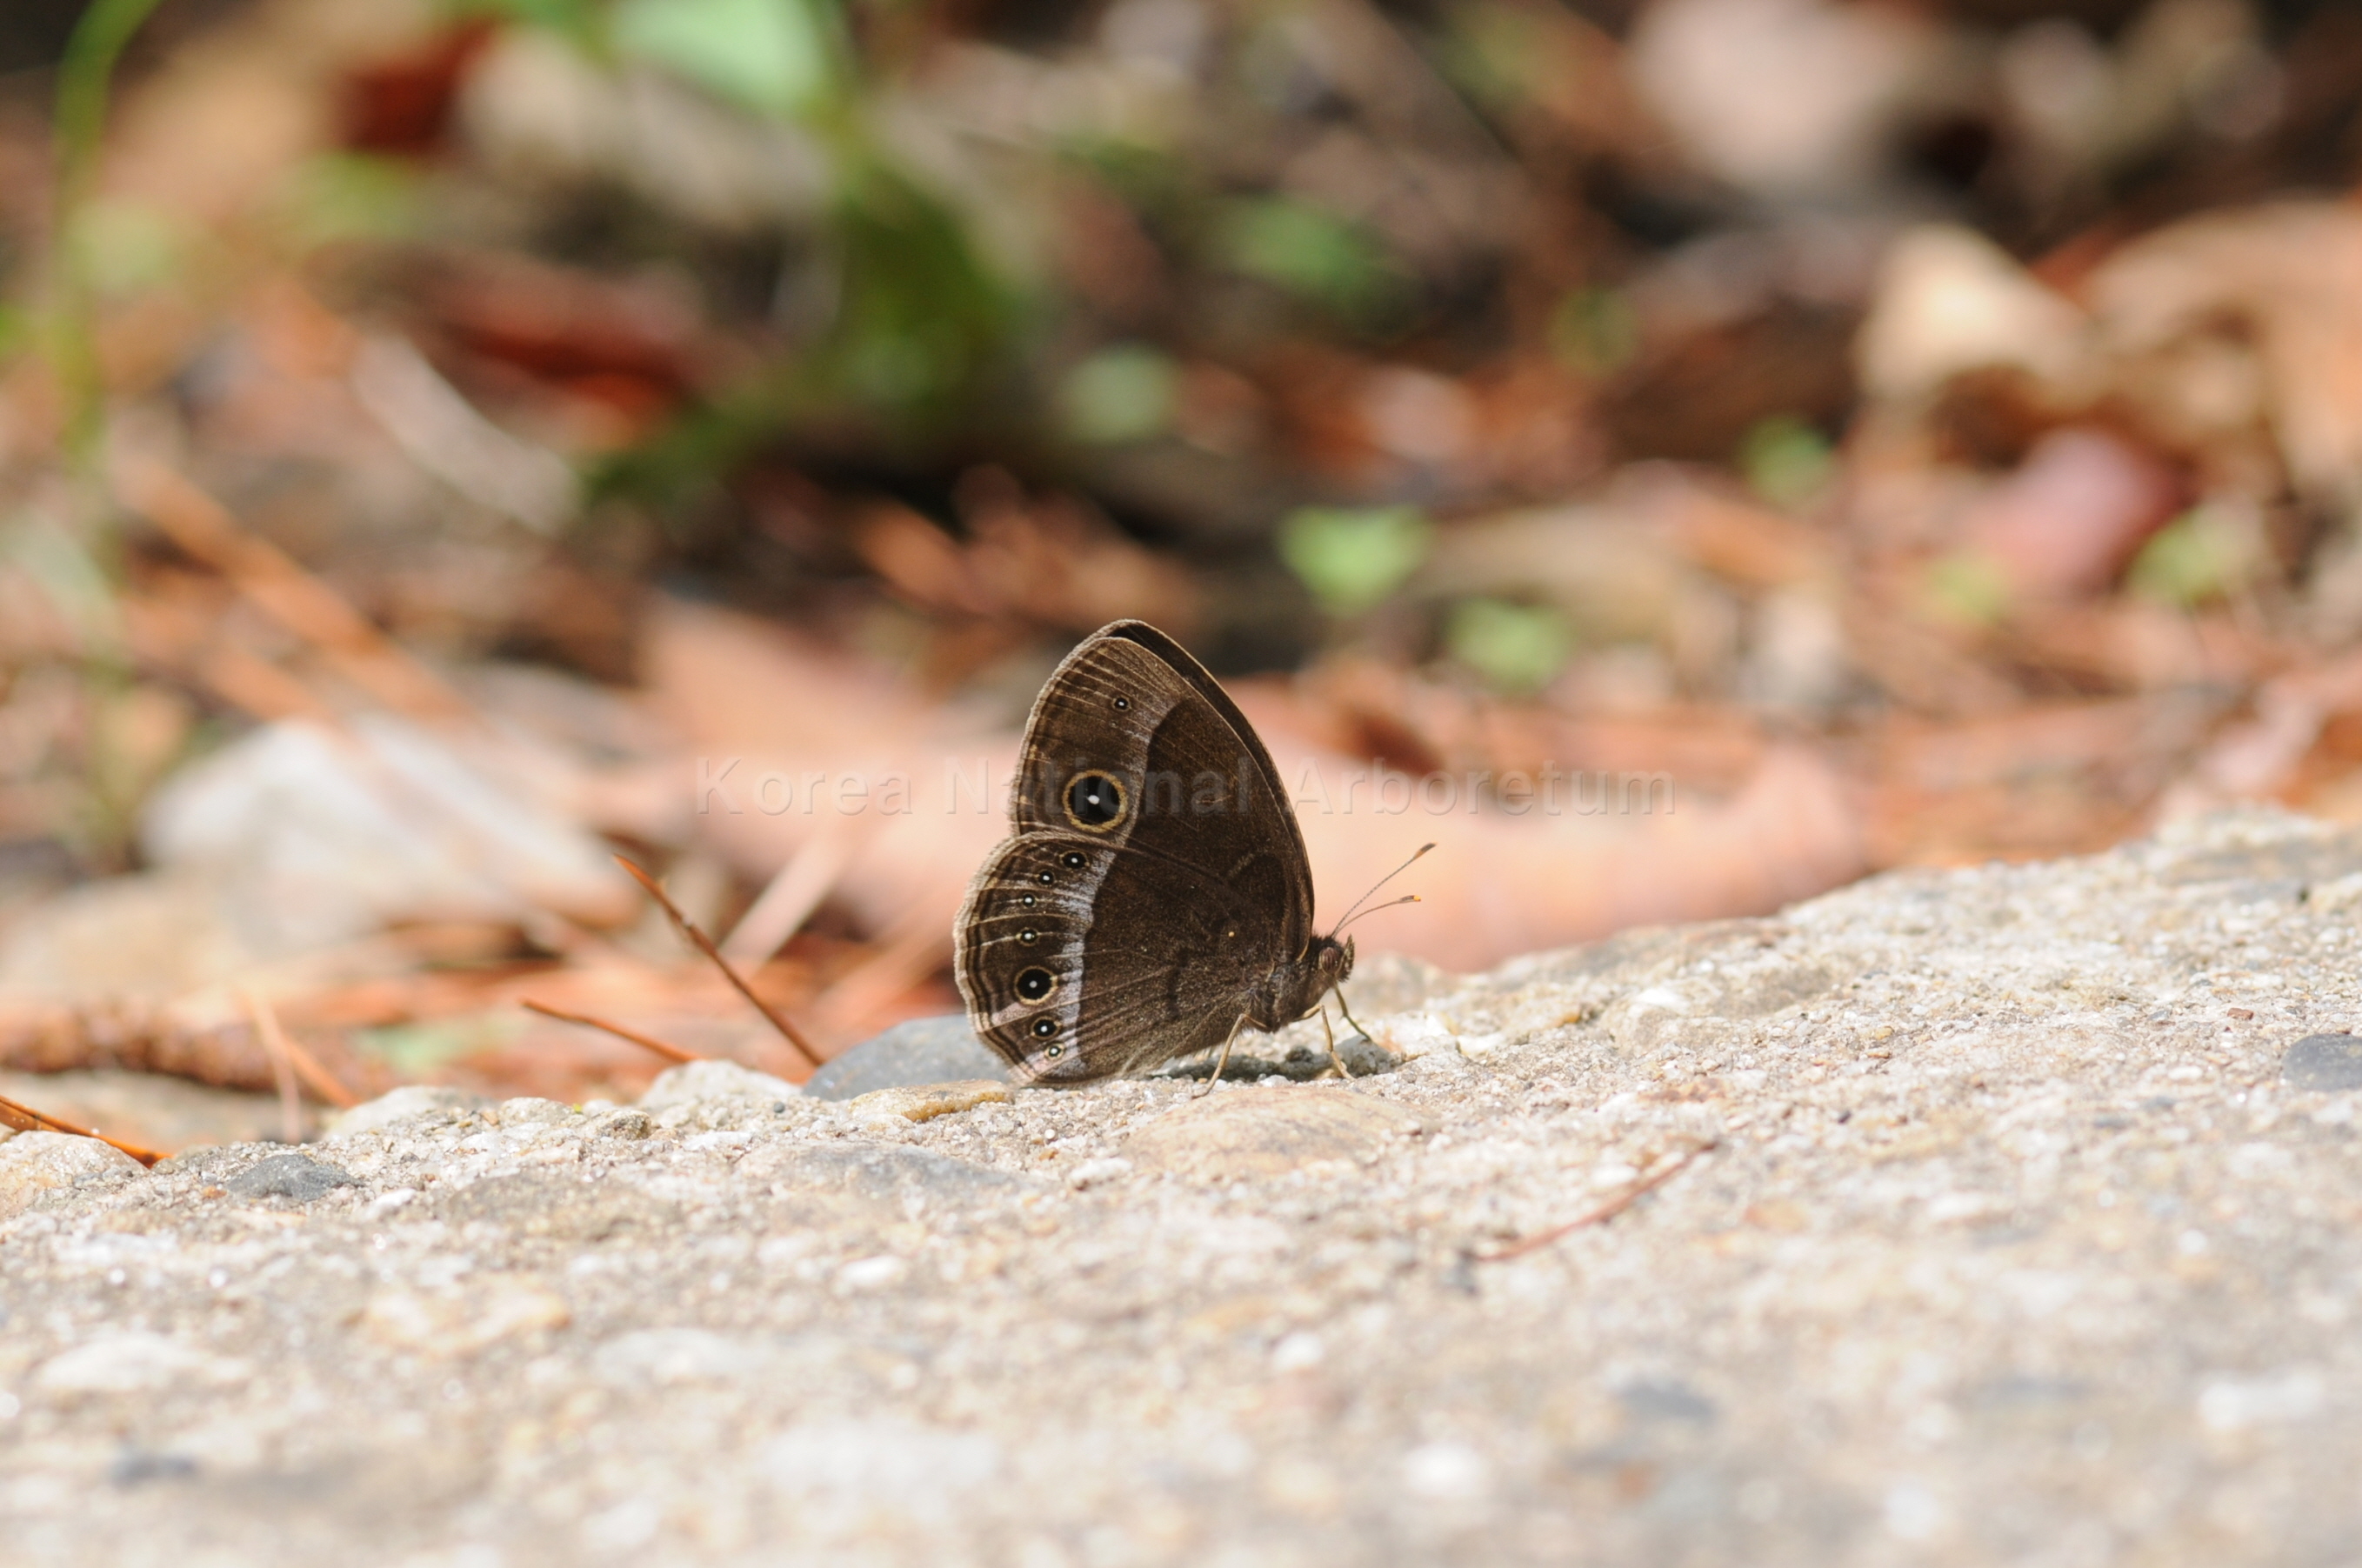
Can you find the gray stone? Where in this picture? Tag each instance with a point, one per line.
(2328, 1061)
(294, 1176)
(627, 1123)
(33, 1163)
(1666, 1400)
(113, 1362)
(1304, 1060)
(139, 1466)
(540, 1205)
(1388, 982)
(694, 1083)
(915, 1052)
(530, 1110)
(411, 1100)
(1984, 1264)
(1268, 1132)
(872, 1182)
(923, 1051)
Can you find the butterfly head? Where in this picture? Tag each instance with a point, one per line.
(1332, 959)
(1295, 987)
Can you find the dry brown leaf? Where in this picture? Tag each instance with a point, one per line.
(2288, 278)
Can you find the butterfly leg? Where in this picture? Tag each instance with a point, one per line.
(1350, 1019)
(1336, 1063)
(1224, 1059)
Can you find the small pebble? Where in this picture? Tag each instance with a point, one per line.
(627, 1123)
(926, 1104)
(138, 1466)
(1095, 1173)
(35, 1162)
(915, 1053)
(694, 1082)
(483, 1310)
(294, 1176)
(1268, 1132)
(2324, 1061)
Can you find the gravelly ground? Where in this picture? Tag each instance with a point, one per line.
(2015, 1247)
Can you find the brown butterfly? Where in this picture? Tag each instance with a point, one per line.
(1153, 898)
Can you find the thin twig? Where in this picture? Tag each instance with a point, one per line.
(1632, 1193)
(272, 581)
(644, 1041)
(317, 1078)
(704, 944)
(25, 1119)
(283, 1065)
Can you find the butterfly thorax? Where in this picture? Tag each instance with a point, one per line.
(1293, 988)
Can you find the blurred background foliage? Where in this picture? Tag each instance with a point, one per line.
(1269, 289)
(1934, 424)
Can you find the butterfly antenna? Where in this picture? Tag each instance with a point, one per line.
(1390, 903)
(1381, 882)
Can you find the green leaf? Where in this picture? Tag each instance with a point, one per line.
(1120, 393)
(85, 81)
(1970, 589)
(580, 20)
(1492, 53)
(922, 323)
(776, 56)
(1786, 461)
(1351, 558)
(71, 577)
(123, 248)
(2199, 556)
(422, 1047)
(1594, 332)
(1311, 253)
(348, 195)
(1518, 647)
(920, 314)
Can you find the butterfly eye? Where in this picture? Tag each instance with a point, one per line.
(1046, 879)
(1123, 704)
(1029, 936)
(1044, 1028)
(1073, 860)
(1094, 800)
(1028, 900)
(1036, 983)
(1055, 1052)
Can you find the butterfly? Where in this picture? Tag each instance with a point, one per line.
(1153, 898)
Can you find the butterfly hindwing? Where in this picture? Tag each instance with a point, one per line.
(1064, 997)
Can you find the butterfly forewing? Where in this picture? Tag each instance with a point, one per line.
(1155, 873)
